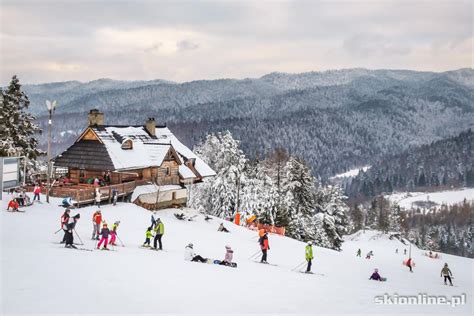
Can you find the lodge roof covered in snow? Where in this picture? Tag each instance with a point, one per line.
(122, 148)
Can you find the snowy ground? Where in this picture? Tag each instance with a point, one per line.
(39, 276)
(406, 199)
(350, 174)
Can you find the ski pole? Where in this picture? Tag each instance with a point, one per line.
(254, 255)
(120, 240)
(82, 243)
(298, 266)
(58, 231)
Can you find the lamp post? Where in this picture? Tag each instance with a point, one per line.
(50, 106)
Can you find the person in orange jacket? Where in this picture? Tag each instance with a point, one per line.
(96, 220)
(14, 205)
(264, 246)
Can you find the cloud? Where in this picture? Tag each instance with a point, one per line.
(81, 40)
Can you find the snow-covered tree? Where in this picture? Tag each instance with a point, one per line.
(394, 218)
(17, 126)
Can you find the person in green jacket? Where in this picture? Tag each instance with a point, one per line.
(148, 236)
(309, 255)
(359, 252)
(159, 231)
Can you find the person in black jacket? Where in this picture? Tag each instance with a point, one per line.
(69, 237)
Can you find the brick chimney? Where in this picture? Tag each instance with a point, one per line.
(151, 126)
(95, 117)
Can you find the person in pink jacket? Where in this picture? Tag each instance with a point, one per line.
(229, 254)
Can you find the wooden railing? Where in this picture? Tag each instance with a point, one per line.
(85, 194)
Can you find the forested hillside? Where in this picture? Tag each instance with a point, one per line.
(443, 164)
(334, 120)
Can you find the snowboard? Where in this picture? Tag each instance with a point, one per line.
(232, 264)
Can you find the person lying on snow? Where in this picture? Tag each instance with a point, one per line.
(376, 276)
(229, 254)
(189, 254)
(222, 228)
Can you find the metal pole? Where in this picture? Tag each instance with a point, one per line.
(49, 155)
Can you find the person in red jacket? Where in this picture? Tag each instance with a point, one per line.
(409, 264)
(64, 222)
(264, 246)
(96, 220)
(14, 205)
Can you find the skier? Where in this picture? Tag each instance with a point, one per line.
(396, 250)
(114, 196)
(153, 221)
(309, 255)
(36, 192)
(446, 273)
(113, 233)
(159, 231)
(14, 205)
(67, 202)
(64, 221)
(148, 236)
(264, 246)
(409, 261)
(189, 254)
(96, 220)
(229, 254)
(105, 237)
(222, 228)
(369, 255)
(359, 252)
(404, 251)
(68, 236)
(376, 276)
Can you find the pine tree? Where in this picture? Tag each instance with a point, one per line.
(17, 126)
(394, 219)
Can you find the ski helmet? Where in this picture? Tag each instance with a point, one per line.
(310, 243)
(190, 245)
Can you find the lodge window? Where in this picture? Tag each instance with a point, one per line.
(127, 144)
(168, 171)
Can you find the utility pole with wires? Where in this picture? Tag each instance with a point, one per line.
(50, 106)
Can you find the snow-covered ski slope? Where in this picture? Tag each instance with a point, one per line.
(408, 200)
(39, 276)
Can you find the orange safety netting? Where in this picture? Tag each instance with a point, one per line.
(267, 228)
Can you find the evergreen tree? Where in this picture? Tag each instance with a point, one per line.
(17, 125)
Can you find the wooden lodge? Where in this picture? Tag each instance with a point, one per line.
(126, 157)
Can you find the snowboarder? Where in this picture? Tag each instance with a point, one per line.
(21, 198)
(68, 236)
(369, 255)
(14, 205)
(148, 236)
(64, 221)
(446, 273)
(67, 202)
(229, 254)
(105, 237)
(222, 228)
(309, 255)
(264, 246)
(376, 276)
(96, 220)
(113, 233)
(159, 231)
(409, 262)
(189, 254)
(359, 252)
(36, 192)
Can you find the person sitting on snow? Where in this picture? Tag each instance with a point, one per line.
(369, 255)
(222, 228)
(376, 276)
(229, 254)
(14, 205)
(189, 254)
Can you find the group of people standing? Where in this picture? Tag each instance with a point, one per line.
(156, 230)
(68, 225)
(102, 234)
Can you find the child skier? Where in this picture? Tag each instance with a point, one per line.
(189, 254)
(148, 236)
(14, 205)
(36, 192)
(376, 276)
(264, 246)
(446, 273)
(105, 237)
(359, 252)
(309, 255)
(113, 233)
(229, 254)
(409, 262)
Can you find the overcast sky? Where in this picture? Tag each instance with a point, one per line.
(45, 41)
